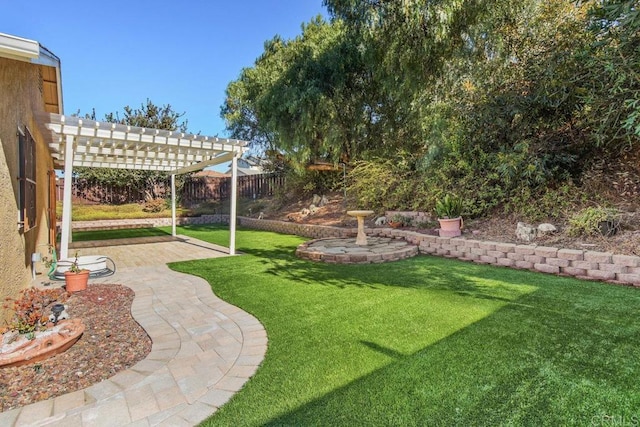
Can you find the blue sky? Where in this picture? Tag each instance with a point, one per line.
(183, 53)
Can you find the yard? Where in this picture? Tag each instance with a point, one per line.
(424, 341)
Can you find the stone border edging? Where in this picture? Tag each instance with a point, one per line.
(303, 251)
(581, 264)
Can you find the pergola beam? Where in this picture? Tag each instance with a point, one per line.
(81, 142)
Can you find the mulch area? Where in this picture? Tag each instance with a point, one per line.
(112, 341)
(498, 229)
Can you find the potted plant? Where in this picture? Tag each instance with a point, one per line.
(449, 210)
(75, 278)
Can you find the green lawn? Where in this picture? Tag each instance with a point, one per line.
(424, 341)
(82, 236)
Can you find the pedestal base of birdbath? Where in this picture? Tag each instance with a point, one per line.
(361, 239)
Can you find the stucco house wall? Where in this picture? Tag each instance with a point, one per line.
(21, 99)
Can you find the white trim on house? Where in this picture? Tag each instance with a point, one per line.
(18, 48)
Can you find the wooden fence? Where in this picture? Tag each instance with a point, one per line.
(196, 189)
(201, 189)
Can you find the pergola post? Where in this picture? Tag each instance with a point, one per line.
(65, 238)
(88, 143)
(234, 200)
(173, 205)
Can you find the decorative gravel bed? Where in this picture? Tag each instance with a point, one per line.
(112, 341)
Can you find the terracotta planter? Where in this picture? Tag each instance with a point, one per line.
(450, 227)
(76, 282)
(45, 344)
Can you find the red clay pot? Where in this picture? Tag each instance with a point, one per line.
(450, 227)
(76, 282)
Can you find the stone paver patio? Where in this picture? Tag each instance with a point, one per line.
(204, 349)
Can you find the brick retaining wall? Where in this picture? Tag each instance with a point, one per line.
(582, 264)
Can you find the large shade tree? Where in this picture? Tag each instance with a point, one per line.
(500, 100)
(149, 115)
(304, 97)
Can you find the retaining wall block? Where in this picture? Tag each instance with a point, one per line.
(442, 252)
(558, 262)
(546, 252)
(457, 254)
(358, 259)
(599, 257)
(497, 254)
(573, 271)
(601, 275)
(506, 262)
(488, 259)
(462, 248)
(626, 260)
(506, 247)
(524, 265)
(536, 259)
(478, 251)
(584, 265)
(428, 249)
(615, 268)
(429, 238)
(448, 248)
(472, 243)
(488, 246)
(515, 256)
(525, 249)
(629, 278)
(546, 268)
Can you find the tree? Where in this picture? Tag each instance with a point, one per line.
(611, 75)
(149, 115)
(303, 97)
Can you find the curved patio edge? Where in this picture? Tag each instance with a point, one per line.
(204, 350)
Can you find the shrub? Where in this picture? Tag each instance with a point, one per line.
(405, 221)
(589, 221)
(29, 308)
(154, 205)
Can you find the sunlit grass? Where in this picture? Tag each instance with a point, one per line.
(81, 212)
(82, 236)
(88, 212)
(424, 341)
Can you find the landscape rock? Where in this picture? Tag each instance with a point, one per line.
(381, 220)
(323, 201)
(526, 232)
(316, 200)
(546, 228)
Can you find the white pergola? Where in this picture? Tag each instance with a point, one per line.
(82, 142)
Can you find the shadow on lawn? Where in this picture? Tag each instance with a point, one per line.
(515, 367)
(421, 272)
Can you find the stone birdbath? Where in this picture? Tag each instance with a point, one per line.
(360, 216)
